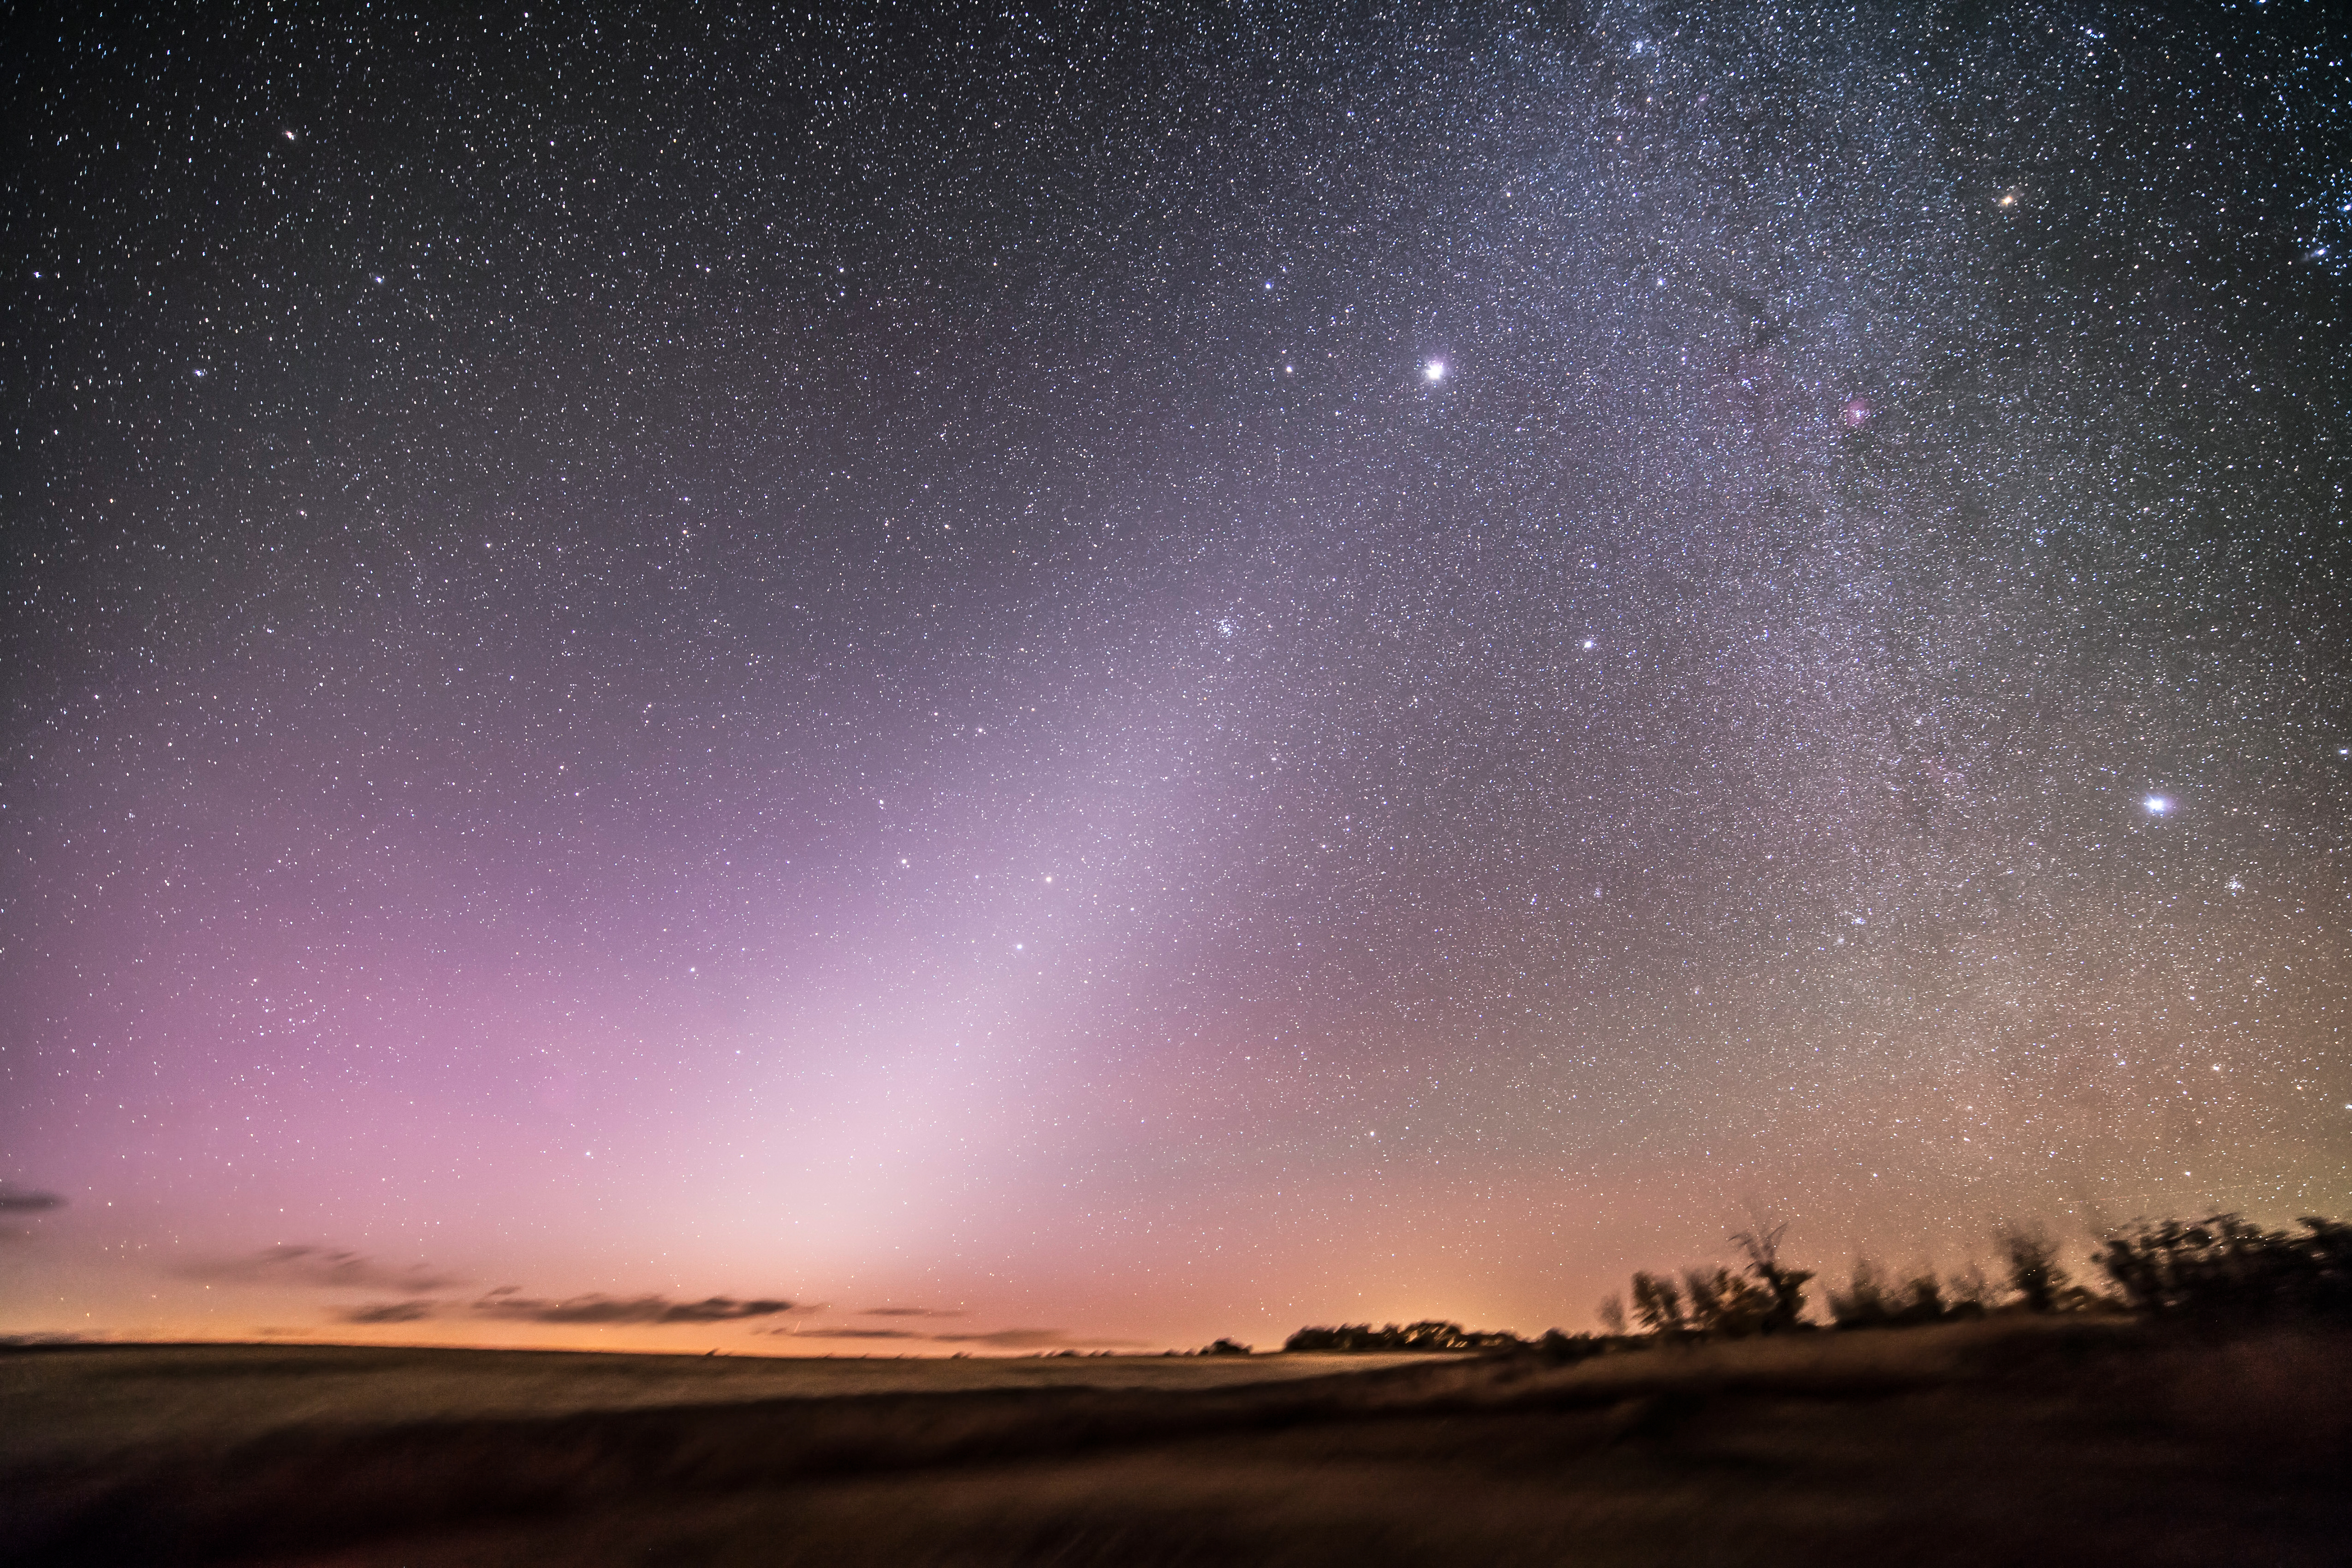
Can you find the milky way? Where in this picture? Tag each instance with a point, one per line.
(1160, 671)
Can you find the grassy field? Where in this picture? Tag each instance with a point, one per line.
(87, 1402)
(2001, 1442)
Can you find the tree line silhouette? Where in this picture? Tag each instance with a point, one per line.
(1427, 1335)
(2221, 1270)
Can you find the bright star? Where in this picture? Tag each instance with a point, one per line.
(1434, 370)
(2157, 805)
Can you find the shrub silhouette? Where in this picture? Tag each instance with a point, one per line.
(2034, 1272)
(1863, 1304)
(1870, 1302)
(1658, 1304)
(2228, 1267)
(1434, 1336)
(2217, 1269)
(1762, 1243)
(1971, 1292)
(1430, 1334)
(1723, 1303)
(1556, 1346)
(1767, 1297)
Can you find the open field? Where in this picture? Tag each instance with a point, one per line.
(90, 1401)
(1997, 1442)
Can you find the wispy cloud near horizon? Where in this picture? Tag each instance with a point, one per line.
(505, 1304)
(390, 1312)
(597, 1309)
(314, 1267)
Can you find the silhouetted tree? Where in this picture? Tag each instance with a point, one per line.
(1430, 1334)
(1862, 1303)
(1658, 1304)
(1971, 1291)
(1706, 1287)
(2225, 1266)
(2035, 1274)
(1433, 1335)
(1613, 1313)
(1721, 1302)
(1761, 1242)
(1870, 1302)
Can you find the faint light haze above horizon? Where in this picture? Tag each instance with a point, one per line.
(979, 678)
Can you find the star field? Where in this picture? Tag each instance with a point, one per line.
(1166, 670)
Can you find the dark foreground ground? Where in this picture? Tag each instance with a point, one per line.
(2017, 1442)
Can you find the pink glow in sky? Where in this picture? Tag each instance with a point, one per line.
(869, 690)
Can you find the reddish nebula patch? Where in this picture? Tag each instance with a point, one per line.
(1858, 413)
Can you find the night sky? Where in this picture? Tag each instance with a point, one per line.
(1136, 672)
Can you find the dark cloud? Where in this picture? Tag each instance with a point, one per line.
(625, 1309)
(508, 1302)
(390, 1312)
(21, 1200)
(910, 1312)
(315, 1268)
(844, 1333)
